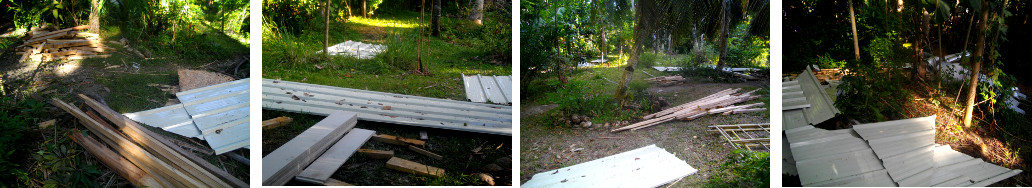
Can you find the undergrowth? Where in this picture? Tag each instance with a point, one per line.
(742, 169)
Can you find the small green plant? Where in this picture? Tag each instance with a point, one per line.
(15, 118)
(743, 169)
(647, 59)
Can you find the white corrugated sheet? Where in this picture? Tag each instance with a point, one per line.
(496, 89)
(649, 166)
(387, 107)
(356, 49)
(892, 153)
(218, 114)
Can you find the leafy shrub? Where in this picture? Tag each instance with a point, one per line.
(15, 118)
(647, 59)
(825, 61)
(872, 98)
(743, 169)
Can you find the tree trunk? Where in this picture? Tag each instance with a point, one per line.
(326, 37)
(477, 14)
(604, 47)
(95, 6)
(976, 66)
(639, 34)
(435, 24)
(852, 22)
(723, 35)
(918, 70)
(365, 13)
(348, 5)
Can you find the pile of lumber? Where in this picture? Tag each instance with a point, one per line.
(48, 44)
(665, 80)
(140, 156)
(316, 154)
(722, 102)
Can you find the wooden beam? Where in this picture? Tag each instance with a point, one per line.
(134, 153)
(377, 154)
(288, 160)
(424, 152)
(398, 140)
(57, 44)
(52, 35)
(407, 166)
(322, 168)
(275, 122)
(192, 164)
(115, 162)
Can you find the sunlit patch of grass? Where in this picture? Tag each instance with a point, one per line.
(378, 22)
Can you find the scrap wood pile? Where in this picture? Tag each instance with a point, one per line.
(142, 157)
(722, 102)
(48, 44)
(665, 80)
(316, 154)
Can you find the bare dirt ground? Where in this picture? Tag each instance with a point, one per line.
(547, 147)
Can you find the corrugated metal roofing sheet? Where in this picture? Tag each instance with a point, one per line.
(649, 166)
(170, 118)
(221, 114)
(821, 107)
(497, 89)
(372, 106)
(892, 153)
(218, 114)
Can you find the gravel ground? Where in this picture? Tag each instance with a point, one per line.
(546, 147)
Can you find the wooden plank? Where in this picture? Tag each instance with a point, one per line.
(31, 52)
(407, 166)
(377, 154)
(328, 163)
(288, 160)
(57, 44)
(398, 140)
(335, 182)
(115, 162)
(193, 164)
(134, 153)
(52, 35)
(425, 152)
(275, 122)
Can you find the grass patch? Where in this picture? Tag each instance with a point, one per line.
(742, 169)
(294, 58)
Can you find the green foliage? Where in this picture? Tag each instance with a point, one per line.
(887, 52)
(872, 98)
(647, 59)
(373, 5)
(16, 117)
(58, 164)
(742, 169)
(825, 61)
(53, 12)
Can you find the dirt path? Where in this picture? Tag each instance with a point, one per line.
(545, 147)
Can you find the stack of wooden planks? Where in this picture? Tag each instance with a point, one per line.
(722, 102)
(290, 159)
(141, 156)
(665, 80)
(48, 44)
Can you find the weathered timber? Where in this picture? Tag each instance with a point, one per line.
(407, 166)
